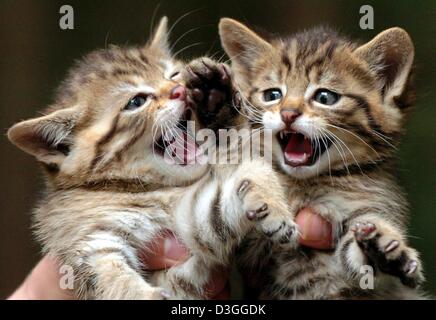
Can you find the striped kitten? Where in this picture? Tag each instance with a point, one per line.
(110, 190)
(337, 111)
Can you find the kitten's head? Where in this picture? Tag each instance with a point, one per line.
(331, 104)
(110, 119)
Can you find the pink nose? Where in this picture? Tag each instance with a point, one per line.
(178, 92)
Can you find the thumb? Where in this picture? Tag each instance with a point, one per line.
(316, 232)
(165, 251)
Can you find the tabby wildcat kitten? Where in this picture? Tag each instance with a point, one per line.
(110, 190)
(337, 111)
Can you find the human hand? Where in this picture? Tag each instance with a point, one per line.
(315, 231)
(43, 282)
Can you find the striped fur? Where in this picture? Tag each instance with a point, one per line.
(351, 182)
(109, 194)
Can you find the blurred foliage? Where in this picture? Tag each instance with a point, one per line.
(36, 54)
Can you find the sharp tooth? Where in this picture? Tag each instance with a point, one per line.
(281, 135)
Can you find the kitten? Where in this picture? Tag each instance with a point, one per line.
(337, 111)
(110, 190)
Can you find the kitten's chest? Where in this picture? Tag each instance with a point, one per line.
(306, 274)
(333, 204)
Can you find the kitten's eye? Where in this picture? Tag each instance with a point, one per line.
(136, 102)
(326, 97)
(174, 74)
(272, 95)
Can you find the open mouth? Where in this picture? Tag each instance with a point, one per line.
(299, 150)
(178, 146)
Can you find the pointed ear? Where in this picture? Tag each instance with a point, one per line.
(160, 40)
(48, 138)
(242, 45)
(390, 54)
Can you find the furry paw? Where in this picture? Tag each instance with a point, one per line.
(210, 92)
(271, 218)
(388, 252)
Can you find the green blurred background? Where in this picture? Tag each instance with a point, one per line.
(35, 54)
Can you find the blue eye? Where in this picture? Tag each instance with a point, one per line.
(136, 102)
(326, 97)
(272, 95)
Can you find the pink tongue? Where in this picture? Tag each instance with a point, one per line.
(183, 149)
(190, 149)
(298, 150)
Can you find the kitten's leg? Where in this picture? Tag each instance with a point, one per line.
(373, 241)
(250, 197)
(187, 280)
(110, 269)
(261, 197)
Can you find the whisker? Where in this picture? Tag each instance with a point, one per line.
(187, 47)
(355, 135)
(332, 140)
(153, 17)
(328, 156)
(349, 150)
(182, 36)
(182, 17)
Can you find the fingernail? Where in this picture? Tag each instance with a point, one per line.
(173, 249)
(315, 228)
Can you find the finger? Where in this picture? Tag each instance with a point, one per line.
(165, 251)
(315, 231)
(43, 283)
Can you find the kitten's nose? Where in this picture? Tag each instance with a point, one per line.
(178, 92)
(289, 115)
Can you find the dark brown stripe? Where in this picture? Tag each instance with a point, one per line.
(130, 142)
(143, 58)
(204, 246)
(316, 63)
(221, 229)
(364, 105)
(186, 287)
(343, 253)
(115, 185)
(120, 72)
(105, 139)
(353, 169)
(286, 61)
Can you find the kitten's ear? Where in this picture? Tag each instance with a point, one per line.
(160, 40)
(48, 138)
(390, 54)
(242, 45)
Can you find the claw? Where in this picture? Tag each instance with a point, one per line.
(225, 78)
(411, 267)
(392, 246)
(243, 187)
(208, 74)
(254, 214)
(165, 295)
(251, 214)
